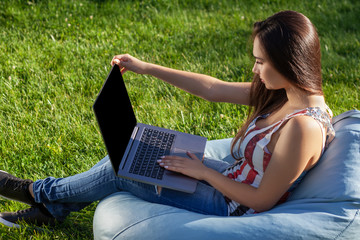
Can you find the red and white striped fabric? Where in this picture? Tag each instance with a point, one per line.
(256, 157)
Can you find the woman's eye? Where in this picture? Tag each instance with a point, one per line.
(257, 62)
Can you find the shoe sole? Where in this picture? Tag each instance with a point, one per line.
(9, 224)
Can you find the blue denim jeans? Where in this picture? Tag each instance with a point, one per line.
(64, 195)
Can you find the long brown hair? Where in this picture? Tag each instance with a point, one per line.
(292, 46)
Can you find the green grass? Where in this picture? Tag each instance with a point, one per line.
(55, 55)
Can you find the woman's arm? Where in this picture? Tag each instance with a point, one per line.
(206, 87)
(298, 147)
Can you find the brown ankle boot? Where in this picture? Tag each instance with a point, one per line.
(15, 188)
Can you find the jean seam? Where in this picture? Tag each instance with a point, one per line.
(356, 215)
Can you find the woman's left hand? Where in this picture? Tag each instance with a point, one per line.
(191, 166)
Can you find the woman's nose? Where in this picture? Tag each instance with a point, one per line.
(255, 69)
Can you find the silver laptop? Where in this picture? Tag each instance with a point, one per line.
(134, 148)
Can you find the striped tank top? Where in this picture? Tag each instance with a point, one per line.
(255, 156)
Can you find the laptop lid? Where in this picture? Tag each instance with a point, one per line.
(115, 116)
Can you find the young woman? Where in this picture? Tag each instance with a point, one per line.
(283, 137)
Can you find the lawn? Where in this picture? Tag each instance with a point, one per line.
(55, 56)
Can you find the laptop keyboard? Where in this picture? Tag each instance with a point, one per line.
(153, 145)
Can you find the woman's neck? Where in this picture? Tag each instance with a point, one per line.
(298, 99)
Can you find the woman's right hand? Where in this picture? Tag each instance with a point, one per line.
(127, 62)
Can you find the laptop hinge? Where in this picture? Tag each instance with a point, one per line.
(129, 146)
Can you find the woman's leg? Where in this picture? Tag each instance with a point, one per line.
(49, 190)
(205, 199)
(64, 195)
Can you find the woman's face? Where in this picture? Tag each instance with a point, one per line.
(268, 74)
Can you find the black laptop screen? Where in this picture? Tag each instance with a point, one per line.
(115, 115)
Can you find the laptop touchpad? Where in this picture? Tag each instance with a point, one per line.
(182, 153)
(179, 152)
